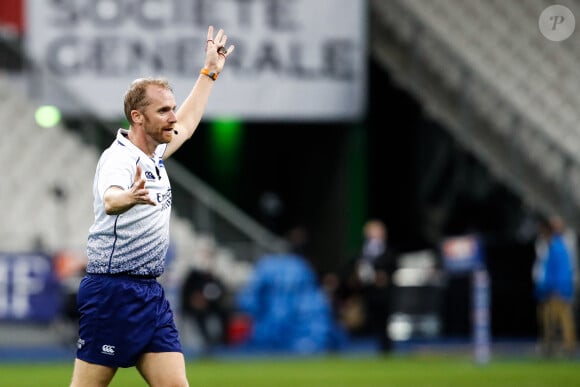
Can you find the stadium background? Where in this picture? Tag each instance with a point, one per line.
(330, 176)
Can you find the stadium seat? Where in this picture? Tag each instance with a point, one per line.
(491, 56)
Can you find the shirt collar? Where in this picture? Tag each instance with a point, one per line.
(123, 139)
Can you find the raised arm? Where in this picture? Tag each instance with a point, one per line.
(191, 111)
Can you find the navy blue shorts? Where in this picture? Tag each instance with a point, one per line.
(123, 317)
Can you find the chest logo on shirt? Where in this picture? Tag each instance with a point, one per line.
(149, 175)
(164, 199)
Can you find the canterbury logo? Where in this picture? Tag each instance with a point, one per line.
(108, 349)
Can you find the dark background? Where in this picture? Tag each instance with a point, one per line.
(397, 165)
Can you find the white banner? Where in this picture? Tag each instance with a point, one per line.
(294, 59)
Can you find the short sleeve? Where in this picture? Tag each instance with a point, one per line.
(115, 171)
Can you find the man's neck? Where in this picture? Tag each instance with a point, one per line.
(138, 138)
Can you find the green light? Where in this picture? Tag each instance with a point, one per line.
(225, 144)
(47, 116)
(226, 136)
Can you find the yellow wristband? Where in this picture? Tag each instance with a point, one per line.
(212, 75)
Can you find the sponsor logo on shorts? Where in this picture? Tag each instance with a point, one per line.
(80, 343)
(108, 349)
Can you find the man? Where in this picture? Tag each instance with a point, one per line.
(375, 267)
(364, 294)
(125, 319)
(204, 298)
(554, 287)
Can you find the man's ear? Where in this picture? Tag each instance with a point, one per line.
(137, 116)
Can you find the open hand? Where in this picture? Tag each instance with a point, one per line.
(139, 193)
(216, 52)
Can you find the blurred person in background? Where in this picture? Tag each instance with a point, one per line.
(571, 241)
(287, 308)
(375, 268)
(203, 298)
(70, 268)
(125, 318)
(553, 277)
(367, 286)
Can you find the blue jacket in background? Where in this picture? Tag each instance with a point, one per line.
(289, 310)
(555, 275)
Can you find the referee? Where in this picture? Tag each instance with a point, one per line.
(125, 318)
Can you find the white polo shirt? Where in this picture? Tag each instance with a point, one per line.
(136, 241)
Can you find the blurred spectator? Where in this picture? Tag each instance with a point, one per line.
(202, 303)
(367, 286)
(203, 299)
(571, 241)
(288, 309)
(69, 267)
(554, 287)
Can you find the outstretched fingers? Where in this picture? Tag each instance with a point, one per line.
(140, 193)
(219, 40)
(215, 48)
(219, 37)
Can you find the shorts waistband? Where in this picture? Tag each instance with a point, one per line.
(124, 276)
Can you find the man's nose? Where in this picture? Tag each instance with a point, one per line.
(173, 117)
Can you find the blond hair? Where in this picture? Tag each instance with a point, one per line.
(136, 94)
